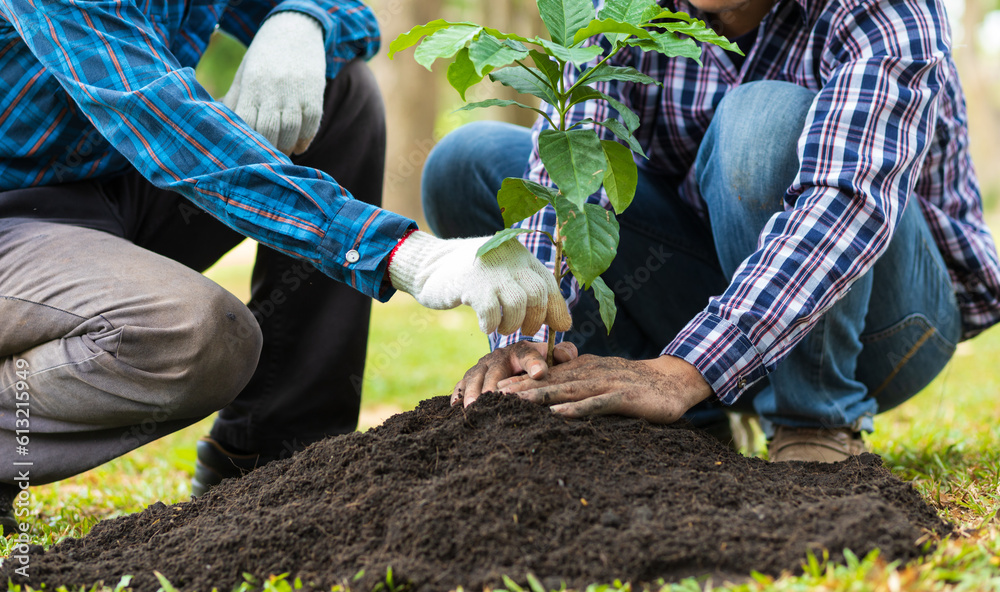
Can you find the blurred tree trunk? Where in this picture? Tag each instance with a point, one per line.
(412, 103)
(977, 72)
(417, 99)
(513, 16)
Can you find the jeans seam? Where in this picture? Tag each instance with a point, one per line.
(906, 358)
(901, 325)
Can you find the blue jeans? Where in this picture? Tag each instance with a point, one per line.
(890, 335)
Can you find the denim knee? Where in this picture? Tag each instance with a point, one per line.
(749, 156)
(444, 163)
(463, 173)
(747, 162)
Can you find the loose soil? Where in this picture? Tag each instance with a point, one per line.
(451, 497)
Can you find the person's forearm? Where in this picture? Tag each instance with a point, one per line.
(158, 117)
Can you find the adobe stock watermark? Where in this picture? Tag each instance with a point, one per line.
(625, 288)
(145, 431)
(406, 167)
(387, 11)
(22, 467)
(68, 168)
(381, 357)
(292, 279)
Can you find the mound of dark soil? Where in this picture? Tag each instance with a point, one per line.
(448, 497)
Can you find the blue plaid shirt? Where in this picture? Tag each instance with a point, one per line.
(888, 125)
(92, 88)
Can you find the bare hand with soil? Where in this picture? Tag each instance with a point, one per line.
(659, 390)
(506, 362)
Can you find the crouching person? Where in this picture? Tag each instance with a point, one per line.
(121, 180)
(806, 240)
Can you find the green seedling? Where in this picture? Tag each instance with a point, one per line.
(577, 161)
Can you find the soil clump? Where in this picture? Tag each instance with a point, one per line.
(450, 497)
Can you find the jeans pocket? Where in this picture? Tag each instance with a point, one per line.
(899, 361)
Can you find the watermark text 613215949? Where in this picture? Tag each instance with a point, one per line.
(22, 465)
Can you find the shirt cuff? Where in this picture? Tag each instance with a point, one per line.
(721, 352)
(497, 340)
(360, 259)
(310, 8)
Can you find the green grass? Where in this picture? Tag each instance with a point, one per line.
(946, 441)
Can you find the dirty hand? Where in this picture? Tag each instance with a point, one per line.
(526, 357)
(659, 390)
(508, 287)
(278, 88)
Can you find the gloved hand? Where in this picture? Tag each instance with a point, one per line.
(508, 287)
(278, 88)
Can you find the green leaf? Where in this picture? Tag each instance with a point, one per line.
(520, 198)
(670, 45)
(591, 241)
(411, 37)
(563, 18)
(606, 72)
(626, 11)
(511, 36)
(699, 32)
(574, 160)
(547, 65)
(498, 103)
(650, 13)
(663, 13)
(462, 74)
(622, 176)
(500, 238)
(574, 55)
(694, 28)
(586, 93)
(536, 585)
(605, 302)
(444, 43)
(511, 585)
(488, 51)
(608, 27)
(623, 134)
(529, 81)
(635, 12)
(165, 585)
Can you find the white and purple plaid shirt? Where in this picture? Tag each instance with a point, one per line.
(888, 122)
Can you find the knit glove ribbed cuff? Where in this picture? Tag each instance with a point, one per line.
(508, 287)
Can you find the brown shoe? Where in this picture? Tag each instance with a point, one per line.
(814, 444)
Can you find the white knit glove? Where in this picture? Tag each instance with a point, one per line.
(508, 287)
(278, 88)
